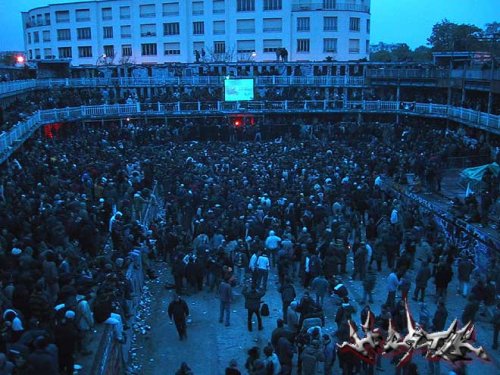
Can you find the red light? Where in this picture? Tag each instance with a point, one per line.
(237, 123)
(20, 59)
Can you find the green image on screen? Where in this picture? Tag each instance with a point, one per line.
(238, 90)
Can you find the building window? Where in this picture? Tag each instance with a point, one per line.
(124, 13)
(303, 24)
(272, 25)
(65, 53)
(273, 5)
(245, 5)
(84, 33)
(107, 14)
(219, 7)
(354, 24)
(30, 54)
(148, 30)
(197, 8)
(172, 48)
(47, 53)
(29, 38)
(303, 45)
(63, 34)
(107, 32)
(82, 15)
(199, 46)
(330, 23)
(62, 16)
(245, 26)
(198, 28)
(38, 56)
(368, 25)
(126, 31)
(219, 27)
(149, 49)
(147, 11)
(36, 37)
(368, 47)
(329, 4)
(109, 51)
(353, 45)
(46, 36)
(245, 46)
(219, 47)
(330, 45)
(47, 19)
(171, 9)
(171, 28)
(85, 52)
(126, 50)
(271, 45)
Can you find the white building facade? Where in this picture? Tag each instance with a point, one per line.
(164, 31)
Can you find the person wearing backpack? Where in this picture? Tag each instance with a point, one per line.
(252, 304)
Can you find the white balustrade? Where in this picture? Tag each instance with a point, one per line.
(22, 130)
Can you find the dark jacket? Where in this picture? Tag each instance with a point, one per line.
(285, 351)
(439, 320)
(465, 268)
(66, 336)
(225, 292)
(287, 293)
(178, 310)
(423, 275)
(42, 362)
(252, 299)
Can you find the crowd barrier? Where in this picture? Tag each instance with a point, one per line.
(457, 232)
(112, 357)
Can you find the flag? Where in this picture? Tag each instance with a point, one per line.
(469, 191)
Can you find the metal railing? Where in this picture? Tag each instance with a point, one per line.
(407, 73)
(13, 87)
(298, 6)
(9, 141)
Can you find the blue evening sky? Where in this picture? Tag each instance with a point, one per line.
(392, 21)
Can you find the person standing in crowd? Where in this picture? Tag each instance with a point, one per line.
(423, 276)
(226, 297)
(288, 294)
(240, 261)
(320, 287)
(252, 304)
(393, 283)
(369, 283)
(272, 245)
(178, 311)
(66, 336)
(465, 268)
(438, 325)
(496, 325)
(262, 266)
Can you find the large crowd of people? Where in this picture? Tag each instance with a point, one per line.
(297, 200)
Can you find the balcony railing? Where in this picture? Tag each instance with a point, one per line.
(12, 87)
(20, 132)
(338, 6)
(407, 73)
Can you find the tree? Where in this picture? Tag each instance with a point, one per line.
(401, 53)
(381, 56)
(448, 36)
(422, 54)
